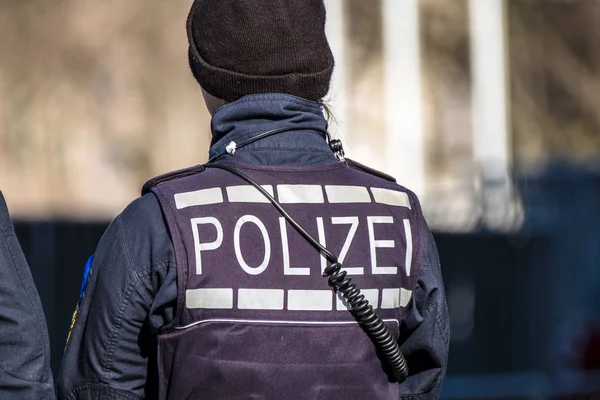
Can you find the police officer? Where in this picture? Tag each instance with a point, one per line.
(203, 289)
(24, 345)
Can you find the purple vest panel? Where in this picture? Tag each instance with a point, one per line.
(256, 319)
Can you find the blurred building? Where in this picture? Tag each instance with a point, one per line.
(96, 97)
(96, 101)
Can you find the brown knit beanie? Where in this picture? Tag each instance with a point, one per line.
(241, 47)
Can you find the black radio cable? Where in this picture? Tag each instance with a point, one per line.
(343, 284)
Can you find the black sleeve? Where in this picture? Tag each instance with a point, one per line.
(24, 344)
(131, 292)
(425, 331)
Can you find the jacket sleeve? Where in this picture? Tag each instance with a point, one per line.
(425, 330)
(111, 341)
(24, 344)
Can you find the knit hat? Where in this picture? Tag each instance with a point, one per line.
(241, 47)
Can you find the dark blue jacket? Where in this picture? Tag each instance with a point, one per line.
(24, 345)
(132, 286)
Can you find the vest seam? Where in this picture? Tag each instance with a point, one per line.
(178, 247)
(414, 213)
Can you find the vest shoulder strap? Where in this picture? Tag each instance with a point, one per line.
(370, 171)
(148, 186)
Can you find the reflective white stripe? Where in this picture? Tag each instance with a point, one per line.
(209, 298)
(405, 296)
(391, 197)
(347, 194)
(409, 249)
(260, 299)
(198, 198)
(300, 194)
(258, 321)
(247, 194)
(310, 300)
(394, 298)
(390, 298)
(372, 295)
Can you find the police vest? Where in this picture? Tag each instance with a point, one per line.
(255, 317)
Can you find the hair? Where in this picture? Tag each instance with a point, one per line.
(327, 111)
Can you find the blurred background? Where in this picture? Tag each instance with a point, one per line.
(488, 109)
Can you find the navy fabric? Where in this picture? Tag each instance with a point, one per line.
(24, 344)
(132, 294)
(256, 114)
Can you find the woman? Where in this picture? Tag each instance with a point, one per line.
(201, 289)
(24, 345)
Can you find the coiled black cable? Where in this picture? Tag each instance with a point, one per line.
(338, 279)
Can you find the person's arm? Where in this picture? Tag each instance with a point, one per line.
(24, 344)
(130, 293)
(425, 331)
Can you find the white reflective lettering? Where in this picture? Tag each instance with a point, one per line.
(198, 246)
(375, 244)
(285, 248)
(236, 244)
(353, 222)
(409, 248)
(321, 230)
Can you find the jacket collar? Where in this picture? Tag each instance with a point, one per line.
(255, 114)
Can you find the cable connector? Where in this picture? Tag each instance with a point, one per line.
(338, 149)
